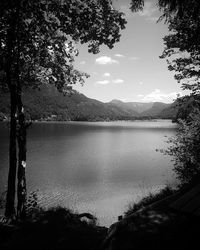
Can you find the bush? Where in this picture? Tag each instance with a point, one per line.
(56, 228)
(149, 199)
(184, 148)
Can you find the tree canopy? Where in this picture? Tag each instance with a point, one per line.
(37, 45)
(42, 36)
(182, 49)
(169, 7)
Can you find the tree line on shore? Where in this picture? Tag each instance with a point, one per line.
(47, 104)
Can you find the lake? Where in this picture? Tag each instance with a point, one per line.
(96, 167)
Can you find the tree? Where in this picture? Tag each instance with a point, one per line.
(182, 51)
(169, 7)
(184, 149)
(37, 45)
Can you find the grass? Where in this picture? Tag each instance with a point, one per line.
(149, 199)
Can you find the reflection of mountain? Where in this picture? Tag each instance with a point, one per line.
(49, 104)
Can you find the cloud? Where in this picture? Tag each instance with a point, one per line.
(118, 81)
(126, 10)
(153, 19)
(104, 82)
(149, 9)
(134, 58)
(141, 83)
(158, 96)
(106, 74)
(119, 55)
(149, 12)
(115, 81)
(103, 60)
(83, 62)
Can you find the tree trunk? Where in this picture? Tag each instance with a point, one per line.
(11, 43)
(21, 132)
(10, 199)
(21, 137)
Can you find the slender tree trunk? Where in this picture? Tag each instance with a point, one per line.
(10, 199)
(11, 42)
(21, 137)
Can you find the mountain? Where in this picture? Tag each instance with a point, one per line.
(138, 107)
(49, 104)
(170, 112)
(151, 109)
(155, 109)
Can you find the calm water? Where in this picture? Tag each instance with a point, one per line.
(95, 167)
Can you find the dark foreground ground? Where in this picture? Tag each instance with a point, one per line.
(158, 226)
(54, 229)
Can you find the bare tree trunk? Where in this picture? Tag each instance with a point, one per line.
(10, 198)
(11, 41)
(21, 137)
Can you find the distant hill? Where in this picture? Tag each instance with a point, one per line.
(156, 109)
(137, 107)
(170, 112)
(49, 104)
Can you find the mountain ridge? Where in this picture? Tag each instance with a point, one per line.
(49, 104)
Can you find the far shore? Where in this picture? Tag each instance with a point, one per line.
(94, 121)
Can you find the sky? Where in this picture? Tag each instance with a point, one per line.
(132, 71)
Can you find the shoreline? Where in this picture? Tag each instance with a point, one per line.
(95, 121)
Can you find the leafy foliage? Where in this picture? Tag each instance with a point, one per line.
(170, 8)
(182, 50)
(37, 46)
(186, 105)
(184, 148)
(44, 37)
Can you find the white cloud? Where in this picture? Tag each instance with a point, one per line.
(103, 60)
(126, 10)
(134, 58)
(141, 83)
(106, 74)
(158, 96)
(104, 82)
(119, 55)
(153, 19)
(83, 62)
(123, 99)
(118, 81)
(149, 9)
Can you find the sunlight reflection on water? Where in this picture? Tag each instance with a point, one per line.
(96, 167)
